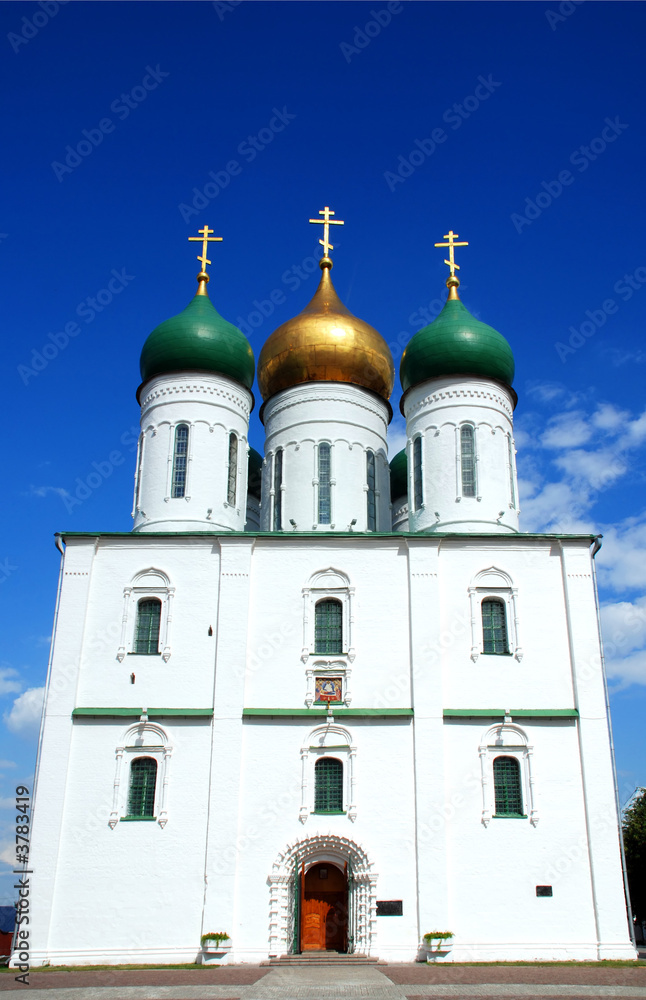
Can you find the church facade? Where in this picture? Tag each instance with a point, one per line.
(315, 701)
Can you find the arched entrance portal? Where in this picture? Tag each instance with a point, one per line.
(324, 916)
(350, 872)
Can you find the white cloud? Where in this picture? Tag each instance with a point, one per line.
(24, 717)
(396, 437)
(595, 469)
(4, 764)
(8, 854)
(608, 417)
(8, 803)
(43, 491)
(567, 430)
(621, 564)
(7, 684)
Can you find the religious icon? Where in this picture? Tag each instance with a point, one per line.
(328, 689)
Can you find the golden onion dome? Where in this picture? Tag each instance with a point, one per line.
(325, 343)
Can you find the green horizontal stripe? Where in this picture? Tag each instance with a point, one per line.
(524, 713)
(321, 713)
(135, 713)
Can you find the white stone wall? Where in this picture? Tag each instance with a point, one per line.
(352, 420)
(436, 410)
(213, 407)
(418, 822)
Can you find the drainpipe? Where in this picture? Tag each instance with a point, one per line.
(596, 545)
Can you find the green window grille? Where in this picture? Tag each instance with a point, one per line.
(180, 458)
(325, 491)
(506, 783)
(494, 627)
(468, 461)
(278, 489)
(141, 796)
(328, 785)
(372, 491)
(147, 627)
(328, 627)
(417, 474)
(233, 470)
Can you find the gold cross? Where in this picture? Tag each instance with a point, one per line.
(451, 261)
(327, 222)
(205, 239)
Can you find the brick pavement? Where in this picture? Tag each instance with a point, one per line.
(395, 982)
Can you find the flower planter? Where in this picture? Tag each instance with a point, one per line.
(214, 953)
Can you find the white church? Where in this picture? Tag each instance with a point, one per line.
(315, 701)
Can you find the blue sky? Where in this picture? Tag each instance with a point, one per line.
(525, 122)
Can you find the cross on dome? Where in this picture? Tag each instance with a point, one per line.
(326, 222)
(451, 237)
(205, 238)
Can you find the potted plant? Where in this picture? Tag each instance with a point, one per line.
(437, 943)
(215, 944)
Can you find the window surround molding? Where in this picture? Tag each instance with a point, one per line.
(459, 496)
(144, 739)
(328, 668)
(330, 740)
(330, 584)
(149, 583)
(498, 585)
(171, 460)
(506, 740)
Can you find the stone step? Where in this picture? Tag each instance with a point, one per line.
(323, 958)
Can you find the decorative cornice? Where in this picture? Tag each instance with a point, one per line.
(311, 392)
(170, 389)
(453, 395)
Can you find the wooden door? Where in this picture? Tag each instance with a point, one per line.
(324, 914)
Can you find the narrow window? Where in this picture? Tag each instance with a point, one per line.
(328, 785)
(278, 489)
(468, 461)
(141, 796)
(233, 470)
(325, 499)
(494, 626)
(147, 626)
(417, 474)
(506, 782)
(512, 489)
(328, 628)
(372, 496)
(180, 455)
(140, 456)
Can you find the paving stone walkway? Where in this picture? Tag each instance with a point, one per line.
(399, 982)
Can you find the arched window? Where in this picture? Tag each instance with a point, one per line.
(141, 794)
(278, 489)
(494, 626)
(180, 458)
(147, 626)
(507, 786)
(418, 489)
(328, 627)
(328, 785)
(325, 493)
(233, 470)
(372, 491)
(468, 460)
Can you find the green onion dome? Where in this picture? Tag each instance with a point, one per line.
(255, 473)
(399, 475)
(456, 343)
(198, 339)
